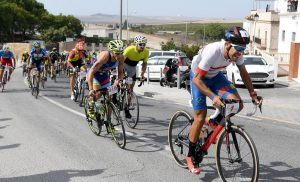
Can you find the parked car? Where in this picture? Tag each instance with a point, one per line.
(166, 53)
(261, 73)
(157, 63)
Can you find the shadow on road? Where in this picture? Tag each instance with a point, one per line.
(5, 119)
(9, 147)
(59, 175)
(279, 171)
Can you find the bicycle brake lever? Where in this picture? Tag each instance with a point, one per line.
(260, 108)
(141, 83)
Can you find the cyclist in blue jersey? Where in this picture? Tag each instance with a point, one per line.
(36, 57)
(98, 76)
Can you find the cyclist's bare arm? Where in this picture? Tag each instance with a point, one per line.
(248, 83)
(198, 81)
(120, 68)
(101, 60)
(144, 67)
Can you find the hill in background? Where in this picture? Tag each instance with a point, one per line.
(149, 20)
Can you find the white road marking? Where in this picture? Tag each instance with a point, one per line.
(147, 140)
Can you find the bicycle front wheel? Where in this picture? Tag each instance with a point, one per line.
(94, 123)
(134, 109)
(178, 136)
(116, 127)
(236, 156)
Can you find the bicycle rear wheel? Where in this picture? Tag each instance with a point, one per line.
(134, 109)
(236, 156)
(116, 127)
(178, 136)
(94, 124)
(82, 93)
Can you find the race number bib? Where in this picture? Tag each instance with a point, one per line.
(232, 108)
(112, 90)
(129, 80)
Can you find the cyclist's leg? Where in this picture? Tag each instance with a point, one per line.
(131, 72)
(91, 102)
(2, 66)
(226, 89)
(200, 111)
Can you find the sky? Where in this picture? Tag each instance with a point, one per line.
(228, 9)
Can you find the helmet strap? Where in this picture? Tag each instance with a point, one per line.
(228, 49)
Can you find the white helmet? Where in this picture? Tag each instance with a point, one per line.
(6, 48)
(140, 39)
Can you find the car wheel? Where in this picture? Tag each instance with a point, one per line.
(163, 82)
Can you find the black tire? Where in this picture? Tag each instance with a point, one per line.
(178, 136)
(76, 91)
(228, 169)
(82, 94)
(43, 81)
(134, 109)
(163, 82)
(95, 125)
(116, 127)
(33, 88)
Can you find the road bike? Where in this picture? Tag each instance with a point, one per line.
(236, 155)
(24, 69)
(5, 77)
(106, 113)
(126, 99)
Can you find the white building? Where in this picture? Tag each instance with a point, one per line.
(289, 17)
(95, 30)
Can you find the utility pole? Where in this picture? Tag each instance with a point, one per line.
(121, 14)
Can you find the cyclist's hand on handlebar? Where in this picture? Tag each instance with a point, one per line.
(216, 102)
(258, 100)
(92, 93)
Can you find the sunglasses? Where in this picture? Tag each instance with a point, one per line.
(118, 53)
(141, 44)
(239, 48)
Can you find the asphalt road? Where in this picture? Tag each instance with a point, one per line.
(47, 139)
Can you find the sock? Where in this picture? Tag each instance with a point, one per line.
(192, 148)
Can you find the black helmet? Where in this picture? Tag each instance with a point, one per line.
(237, 35)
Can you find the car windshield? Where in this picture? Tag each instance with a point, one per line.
(152, 62)
(186, 61)
(254, 61)
(169, 53)
(162, 61)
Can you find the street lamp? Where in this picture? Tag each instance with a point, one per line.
(253, 40)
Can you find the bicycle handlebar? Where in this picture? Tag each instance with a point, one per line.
(228, 101)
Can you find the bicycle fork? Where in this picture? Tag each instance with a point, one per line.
(236, 146)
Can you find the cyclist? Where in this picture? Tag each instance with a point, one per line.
(25, 56)
(133, 54)
(36, 57)
(6, 58)
(98, 75)
(76, 59)
(208, 81)
(171, 67)
(54, 57)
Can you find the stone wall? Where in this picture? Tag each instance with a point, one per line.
(19, 48)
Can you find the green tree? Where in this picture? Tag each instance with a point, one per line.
(170, 45)
(190, 51)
